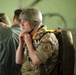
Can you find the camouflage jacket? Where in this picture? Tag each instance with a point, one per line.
(46, 45)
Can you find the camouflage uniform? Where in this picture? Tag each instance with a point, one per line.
(46, 46)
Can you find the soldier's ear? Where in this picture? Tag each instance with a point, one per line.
(35, 23)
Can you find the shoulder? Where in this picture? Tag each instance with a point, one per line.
(48, 36)
(16, 27)
(50, 41)
(5, 32)
(47, 46)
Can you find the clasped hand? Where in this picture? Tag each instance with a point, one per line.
(25, 38)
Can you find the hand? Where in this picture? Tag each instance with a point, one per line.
(21, 36)
(27, 39)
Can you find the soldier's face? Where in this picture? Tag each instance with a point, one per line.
(25, 24)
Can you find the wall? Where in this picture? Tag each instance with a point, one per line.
(63, 12)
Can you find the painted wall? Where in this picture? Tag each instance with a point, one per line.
(57, 13)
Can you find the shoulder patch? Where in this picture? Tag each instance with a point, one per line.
(46, 47)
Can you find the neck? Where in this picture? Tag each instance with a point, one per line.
(34, 31)
(15, 21)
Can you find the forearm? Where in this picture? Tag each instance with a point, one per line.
(19, 54)
(32, 54)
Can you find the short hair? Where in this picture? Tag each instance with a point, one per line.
(17, 13)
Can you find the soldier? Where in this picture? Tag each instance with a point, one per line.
(8, 46)
(4, 21)
(41, 48)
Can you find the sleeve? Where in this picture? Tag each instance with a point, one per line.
(48, 44)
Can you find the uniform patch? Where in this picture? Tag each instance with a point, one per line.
(46, 47)
(47, 38)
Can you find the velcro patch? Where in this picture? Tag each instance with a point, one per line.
(46, 47)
